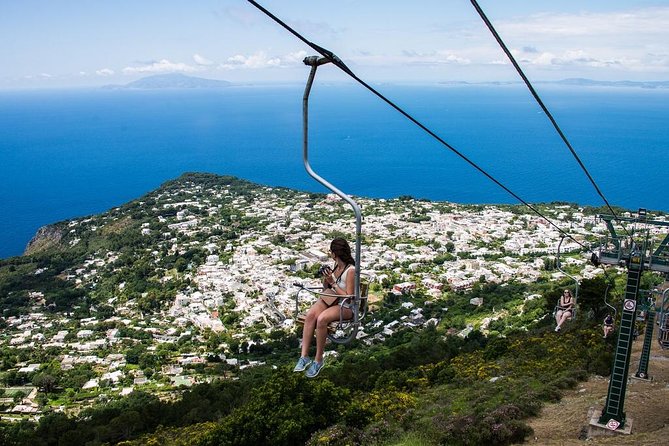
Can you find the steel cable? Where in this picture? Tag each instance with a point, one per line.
(338, 62)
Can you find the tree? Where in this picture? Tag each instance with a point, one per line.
(133, 354)
(287, 409)
(45, 382)
(105, 311)
(591, 296)
(125, 426)
(52, 426)
(18, 396)
(147, 361)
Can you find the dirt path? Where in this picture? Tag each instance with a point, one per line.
(647, 403)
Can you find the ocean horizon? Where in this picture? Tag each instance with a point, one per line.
(71, 153)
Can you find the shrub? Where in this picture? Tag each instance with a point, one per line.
(471, 431)
(336, 435)
(286, 410)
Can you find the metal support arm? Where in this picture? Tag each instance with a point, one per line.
(314, 62)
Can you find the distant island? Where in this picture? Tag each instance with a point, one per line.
(182, 81)
(594, 83)
(170, 80)
(574, 81)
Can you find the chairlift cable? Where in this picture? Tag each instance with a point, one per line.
(543, 106)
(340, 64)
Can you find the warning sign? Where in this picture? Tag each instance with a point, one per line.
(629, 304)
(612, 424)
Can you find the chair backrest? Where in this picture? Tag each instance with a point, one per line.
(364, 290)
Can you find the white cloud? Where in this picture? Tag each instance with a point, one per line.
(630, 23)
(162, 66)
(260, 59)
(105, 72)
(294, 58)
(443, 57)
(572, 58)
(629, 40)
(201, 60)
(454, 58)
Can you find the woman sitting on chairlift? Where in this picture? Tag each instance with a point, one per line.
(608, 326)
(564, 310)
(338, 280)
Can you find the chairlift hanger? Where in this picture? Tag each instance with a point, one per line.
(606, 294)
(353, 324)
(559, 267)
(663, 320)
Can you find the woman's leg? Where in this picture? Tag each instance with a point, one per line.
(324, 318)
(566, 315)
(558, 317)
(310, 325)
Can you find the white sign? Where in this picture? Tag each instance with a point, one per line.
(612, 424)
(629, 304)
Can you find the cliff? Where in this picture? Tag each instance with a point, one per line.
(46, 237)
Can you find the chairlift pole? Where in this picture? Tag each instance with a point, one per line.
(613, 415)
(637, 258)
(648, 306)
(314, 62)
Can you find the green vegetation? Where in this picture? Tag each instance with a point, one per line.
(423, 385)
(433, 369)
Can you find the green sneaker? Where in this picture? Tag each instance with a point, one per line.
(302, 364)
(315, 368)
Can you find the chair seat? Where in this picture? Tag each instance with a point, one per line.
(332, 326)
(339, 331)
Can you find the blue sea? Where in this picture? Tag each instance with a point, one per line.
(71, 153)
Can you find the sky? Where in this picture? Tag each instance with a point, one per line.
(79, 43)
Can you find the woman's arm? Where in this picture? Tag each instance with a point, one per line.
(565, 305)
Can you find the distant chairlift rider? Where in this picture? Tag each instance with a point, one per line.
(565, 309)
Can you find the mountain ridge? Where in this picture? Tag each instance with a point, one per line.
(575, 81)
(170, 81)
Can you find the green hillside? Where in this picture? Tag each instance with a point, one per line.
(167, 321)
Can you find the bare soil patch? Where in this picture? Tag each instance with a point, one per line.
(646, 403)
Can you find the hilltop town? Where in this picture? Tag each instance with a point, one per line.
(195, 281)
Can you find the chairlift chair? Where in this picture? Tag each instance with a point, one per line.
(663, 332)
(611, 307)
(344, 330)
(575, 295)
(606, 294)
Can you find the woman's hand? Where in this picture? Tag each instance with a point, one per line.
(328, 277)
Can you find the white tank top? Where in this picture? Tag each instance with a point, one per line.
(342, 279)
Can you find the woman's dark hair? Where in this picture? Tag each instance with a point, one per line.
(341, 249)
